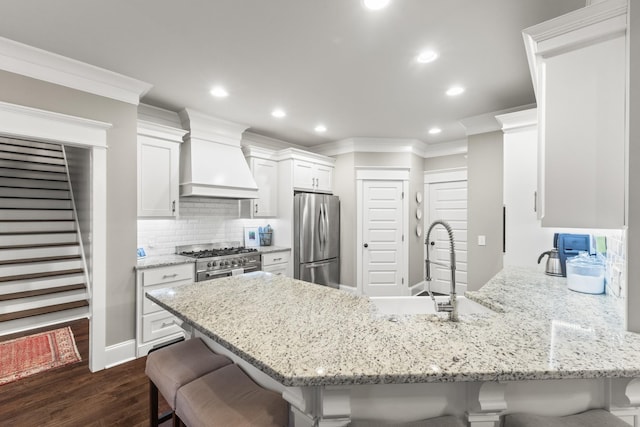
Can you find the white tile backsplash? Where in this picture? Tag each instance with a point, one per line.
(616, 262)
(202, 220)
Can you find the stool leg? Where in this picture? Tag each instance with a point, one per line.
(177, 422)
(153, 403)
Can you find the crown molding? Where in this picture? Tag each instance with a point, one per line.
(487, 122)
(598, 21)
(372, 145)
(518, 120)
(150, 113)
(446, 148)
(39, 64)
(204, 127)
(156, 130)
(252, 138)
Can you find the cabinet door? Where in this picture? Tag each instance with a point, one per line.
(303, 176)
(324, 178)
(582, 140)
(157, 177)
(265, 173)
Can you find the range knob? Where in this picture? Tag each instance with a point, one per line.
(208, 264)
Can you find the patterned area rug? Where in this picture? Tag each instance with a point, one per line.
(22, 357)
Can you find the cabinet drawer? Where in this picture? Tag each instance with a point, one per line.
(158, 325)
(278, 269)
(149, 306)
(275, 258)
(173, 273)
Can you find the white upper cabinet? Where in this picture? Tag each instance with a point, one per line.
(158, 169)
(265, 173)
(578, 64)
(311, 173)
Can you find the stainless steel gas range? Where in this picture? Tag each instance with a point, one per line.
(214, 262)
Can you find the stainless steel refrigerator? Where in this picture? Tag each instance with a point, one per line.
(316, 238)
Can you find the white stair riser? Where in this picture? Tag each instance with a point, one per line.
(40, 226)
(38, 239)
(36, 193)
(33, 183)
(35, 204)
(27, 253)
(33, 175)
(16, 286)
(11, 306)
(39, 267)
(27, 214)
(48, 319)
(13, 164)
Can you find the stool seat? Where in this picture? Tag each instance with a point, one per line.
(170, 367)
(591, 418)
(228, 397)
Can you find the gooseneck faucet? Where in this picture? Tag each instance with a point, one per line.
(452, 306)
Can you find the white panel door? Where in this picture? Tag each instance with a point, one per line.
(382, 255)
(448, 202)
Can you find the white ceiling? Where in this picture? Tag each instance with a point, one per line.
(328, 61)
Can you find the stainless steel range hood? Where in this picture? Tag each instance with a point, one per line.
(211, 159)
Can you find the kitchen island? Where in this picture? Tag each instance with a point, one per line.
(335, 357)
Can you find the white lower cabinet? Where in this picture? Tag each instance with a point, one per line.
(276, 262)
(155, 325)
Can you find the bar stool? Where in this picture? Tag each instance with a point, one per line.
(591, 418)
(228, 397)
(175, 365)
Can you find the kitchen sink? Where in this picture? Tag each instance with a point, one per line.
(407, 305)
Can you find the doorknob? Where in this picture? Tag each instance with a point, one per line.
(432, 243)
(366, 245)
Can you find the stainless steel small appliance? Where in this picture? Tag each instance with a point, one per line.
(214, 261)
(553, 267)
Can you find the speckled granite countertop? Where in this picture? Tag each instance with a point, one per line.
(303, 334)
(163, 261)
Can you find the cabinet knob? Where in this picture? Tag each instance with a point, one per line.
(256, 208)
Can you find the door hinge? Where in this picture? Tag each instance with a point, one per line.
(403, 237)
(403, 195)
(403, 280)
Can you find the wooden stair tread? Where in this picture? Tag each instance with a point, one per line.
(40, 259)
(46, 291)
(42, 245)
(20, 233)
(42, 310)
(40, 275)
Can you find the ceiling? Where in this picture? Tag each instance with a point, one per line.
(322, 61)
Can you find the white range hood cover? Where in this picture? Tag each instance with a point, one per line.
(211, 159)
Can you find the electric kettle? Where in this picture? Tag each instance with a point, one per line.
(553, 267)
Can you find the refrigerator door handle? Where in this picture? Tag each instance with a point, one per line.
(321, 228)
(317, 264)
(326, 224)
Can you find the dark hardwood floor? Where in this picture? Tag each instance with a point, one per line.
(74, 396)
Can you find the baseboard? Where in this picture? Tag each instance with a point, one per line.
(351, 289)
(120, 353)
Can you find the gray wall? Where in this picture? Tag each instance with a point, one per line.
(345, 185)
(121, 185)
(484, 162)
(445, 162)
(79, 163)
(633, 217)
(344, 177)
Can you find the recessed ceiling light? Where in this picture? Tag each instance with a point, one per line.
(455, 90)
(278, 113)
(320, 128)
(375, 4)
(434, 131)
(219, 92)
(427, 56)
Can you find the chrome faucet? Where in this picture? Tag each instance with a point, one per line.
(452, 306)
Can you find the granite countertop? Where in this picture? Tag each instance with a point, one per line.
(304, 335)
(269, 249)
(162, 261)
